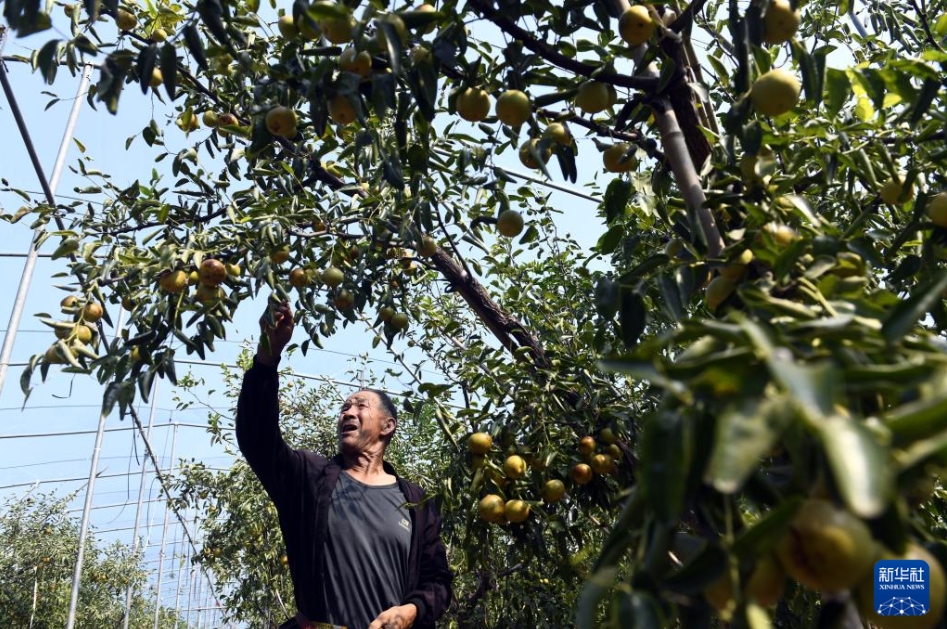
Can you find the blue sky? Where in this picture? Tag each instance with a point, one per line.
(68, 404)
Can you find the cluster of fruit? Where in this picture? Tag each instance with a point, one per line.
(827, 549)
(79, 335)
(514, 107)
(208, 277)
(849, 270)
(339, 27)
(592, 460)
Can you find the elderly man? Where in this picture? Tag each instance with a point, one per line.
(364, 546)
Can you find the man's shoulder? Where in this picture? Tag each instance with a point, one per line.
(412, 491)
(314, 462)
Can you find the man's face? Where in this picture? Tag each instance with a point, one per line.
(363, 422)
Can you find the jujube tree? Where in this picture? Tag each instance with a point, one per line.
(759, 327)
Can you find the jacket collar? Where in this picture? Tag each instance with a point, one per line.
(338, 461)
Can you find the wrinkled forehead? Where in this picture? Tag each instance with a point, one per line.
(363, 397)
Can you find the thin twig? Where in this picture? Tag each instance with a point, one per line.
(686, 18)
(926, 25)
(633, 137)
(555, 57)
(453, 246)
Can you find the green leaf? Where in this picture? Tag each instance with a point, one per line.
(594, 589)
(859, 464)
(168, 364)
(745, 434)
(422, 79)
(864, 110)
(606, 297)
(633, 316)
(668, 73)
(940, 26)
(169, 69)
(644, 371)
(699, 571)
(195, 45)
(920, 451)
(906, 314)
(33, 22)
(922, 104)
(811, 78)
(85, 45)
(616, 199)
(112, 393)
(420, 20)
(664, 465)
(766, 532)
(646, 613)
(610, 240)
(92, 7)
(145, 65)
(920, 419)
(880, 378)
(111, 82)
(25, 379)
(393, 43)
(47, 60)
(145, 380)
(671, 297)
(566, 158)
(211, 12)
(812, 387)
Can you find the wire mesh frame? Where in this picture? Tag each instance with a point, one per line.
(49, 187)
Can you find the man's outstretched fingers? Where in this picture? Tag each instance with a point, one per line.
(276, 325)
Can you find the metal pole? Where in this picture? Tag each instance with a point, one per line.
(164, 536)
(87, 510)
(200, 587)
(141, 495)
(190, 592)
(49, 192)
(179, 544)
(35, 596)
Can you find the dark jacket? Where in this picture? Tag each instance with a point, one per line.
(300, 483)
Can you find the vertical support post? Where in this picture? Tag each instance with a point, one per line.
(49, 189)
(141, 494)
(35, 596)
(181, 563)
(164, 536)
(87, 508)
(190, 595)
(200, 597)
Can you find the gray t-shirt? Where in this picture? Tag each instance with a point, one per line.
(366, 552)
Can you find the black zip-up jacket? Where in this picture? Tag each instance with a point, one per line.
(300, 483)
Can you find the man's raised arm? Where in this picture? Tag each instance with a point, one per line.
(258, 433)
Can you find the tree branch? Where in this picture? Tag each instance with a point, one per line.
(510, 332)
(646, 144)
(684, 103)
(196, 220)
(926, 25)
(552, 55)
(686, 175)
(686, 18)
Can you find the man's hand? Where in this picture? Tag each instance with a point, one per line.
(400, 617)
(278, 335)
